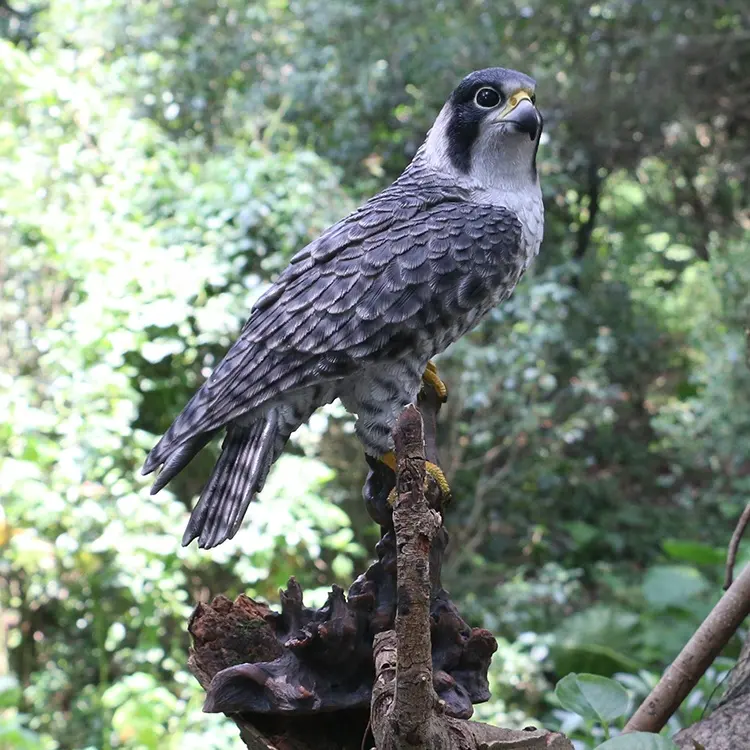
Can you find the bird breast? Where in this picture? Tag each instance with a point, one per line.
(525, 201)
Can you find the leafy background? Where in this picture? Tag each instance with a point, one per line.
(160, 162)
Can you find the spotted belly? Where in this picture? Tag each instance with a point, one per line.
(378, 394)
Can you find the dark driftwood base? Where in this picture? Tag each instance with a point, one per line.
(230, 636)
(302, 678)
(284, 674)
(305, 661)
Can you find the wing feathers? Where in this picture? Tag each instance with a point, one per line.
(238, 475)
(404, 263)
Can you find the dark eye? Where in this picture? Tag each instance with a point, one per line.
(487, 98)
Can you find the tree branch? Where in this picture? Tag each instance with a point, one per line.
(734, 545)
(727, 728)
(406, 713)
(416, 526)
(697, 656)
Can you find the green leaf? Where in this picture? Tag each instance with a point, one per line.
(672, 585)
(13, 734)
(581, 533)
(638, 741)
(593, 697)
(658, 241)
(694, 552)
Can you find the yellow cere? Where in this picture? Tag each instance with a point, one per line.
(518, 97)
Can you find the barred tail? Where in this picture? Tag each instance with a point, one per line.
(246, 456)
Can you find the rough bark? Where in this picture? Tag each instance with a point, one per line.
(440, 732)
(416, 527)
(239, 634)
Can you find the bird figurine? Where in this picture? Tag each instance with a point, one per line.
(359, 312)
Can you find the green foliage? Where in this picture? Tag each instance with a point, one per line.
(14, 732)
(160, 162)
(593, 697)
(602, 701)
(128, 264)
(672, 586)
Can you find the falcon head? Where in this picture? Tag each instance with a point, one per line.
(489, 128)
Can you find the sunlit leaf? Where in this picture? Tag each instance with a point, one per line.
(592, 696)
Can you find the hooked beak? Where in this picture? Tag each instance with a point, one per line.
(523, 114)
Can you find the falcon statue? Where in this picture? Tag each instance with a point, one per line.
(360, 311)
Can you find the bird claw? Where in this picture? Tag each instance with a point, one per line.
(432, 379)
(389, 459)
(434, 471)
(437, 474)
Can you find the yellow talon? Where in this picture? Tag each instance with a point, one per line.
(432, 378)
(389, 459)
(432, 469)
(437, 474)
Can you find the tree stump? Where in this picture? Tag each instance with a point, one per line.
(303, 678)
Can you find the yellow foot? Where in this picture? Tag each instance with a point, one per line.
(389, 459)
(437, 474)
(432, 378)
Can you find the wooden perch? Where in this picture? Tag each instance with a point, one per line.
(281, 676)
(407, 713)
